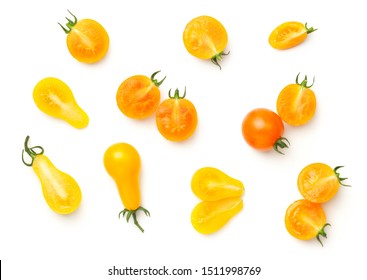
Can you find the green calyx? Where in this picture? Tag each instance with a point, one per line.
(309, 29)
(281, 143)
(132, 213)
(303, 84)
(218, 57)
(31, 151)
(70, 24)
(340, 179)
(155, 81)
(322, 233)
(177, 94)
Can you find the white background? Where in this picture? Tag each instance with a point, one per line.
(146, 36)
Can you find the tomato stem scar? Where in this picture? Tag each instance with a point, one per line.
(31, 152)
(70, 24)
(177, 94)
(132, 213)
(155, 81)
(322, 233)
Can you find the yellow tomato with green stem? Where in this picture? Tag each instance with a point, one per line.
(87, 40)
(61, 192)
(122, 162)
(319, 183)
(296, 103)
(289, 34)
(206, 38)
(306, 220)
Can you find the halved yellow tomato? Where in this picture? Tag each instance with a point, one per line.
(289, 35)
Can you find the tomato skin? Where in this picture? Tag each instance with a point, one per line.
(296, 103)
(206, 38)
(138, 96)
(122, 162)
(208, 217)
(289, 34)
(211, 184)
(53, 97)
(318, 182)
(262, 128)
(176, 118)
(87, 40)
(305, 220)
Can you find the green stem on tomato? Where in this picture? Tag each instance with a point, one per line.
(309, 29)
(31, 152)
(303, 84)
(177, 94)
(219, 57)
(322, 233)
(155, 81)
(70, 24)
(340, 179)
(132, 213)
(281, 143)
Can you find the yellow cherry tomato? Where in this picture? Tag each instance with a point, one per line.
(319, 183)
(53, 97)
(210, 216)
(205, 38)
(296, 103)
(305, 220)
(289, 34)
(211, 184)
(87, 40)
(122, 162)
(61, 192)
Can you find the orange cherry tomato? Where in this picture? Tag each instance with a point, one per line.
(263, 129)
(138, 96)
(206, 38)
(296, 103)
(319, 183)
(176, 117)
(289, 35)
(305, 220)
(87, 40)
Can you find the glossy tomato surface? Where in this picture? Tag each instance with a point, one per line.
(262, 128)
